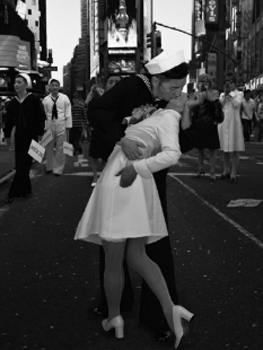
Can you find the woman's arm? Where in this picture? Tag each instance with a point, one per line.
(167, 133)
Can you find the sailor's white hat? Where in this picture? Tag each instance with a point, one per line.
(27, 78)
(165, 61)
(53, 79)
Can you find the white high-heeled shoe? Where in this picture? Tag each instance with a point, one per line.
(117, 323)
(180, 313)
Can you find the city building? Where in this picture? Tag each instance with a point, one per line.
(245, 35)
(76, 74)
(208, 44)
(22, 47)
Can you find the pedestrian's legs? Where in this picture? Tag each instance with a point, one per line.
(94, 166)
(201, 159)
(201, 170)
(21, 184)
(78, 140)
(59, 156)
(226, 160)
(150, 272)
(213, 156)
(235, 162)
(113, 276)
(246, 129)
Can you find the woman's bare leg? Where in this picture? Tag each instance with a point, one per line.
(150, 272)
(212, 156)
(226, 159)
(113, 276)
(235, 162)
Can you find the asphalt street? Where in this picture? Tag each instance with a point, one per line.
(50, 283)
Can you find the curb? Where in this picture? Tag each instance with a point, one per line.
(7, 176)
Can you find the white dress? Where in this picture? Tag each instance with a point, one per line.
(115, 213)
(230, 131)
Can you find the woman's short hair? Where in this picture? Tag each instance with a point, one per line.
(205, 78)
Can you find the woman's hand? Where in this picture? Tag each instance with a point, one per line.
(131, 148)
(128, 175)
(195, 100)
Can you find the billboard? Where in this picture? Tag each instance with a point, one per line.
(211, 12)
(23, 55)
(122, 24)
(14, 52)
(8, 50)
(121, 66)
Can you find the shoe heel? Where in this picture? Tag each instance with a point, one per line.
(180, 313)
(119, 332)
(187, 315)
(116, 323)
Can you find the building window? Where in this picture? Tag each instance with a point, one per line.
(29, 12)
(36, 23)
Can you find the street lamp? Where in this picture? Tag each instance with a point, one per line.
(197, 37)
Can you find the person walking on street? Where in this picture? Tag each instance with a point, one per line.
(59, 121)
(230, 131)
(79, 121)
(167, 76)
(259, 118)
(247, 112)
(26, 113)
(205, 125)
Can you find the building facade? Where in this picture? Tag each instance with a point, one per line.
(208, 45)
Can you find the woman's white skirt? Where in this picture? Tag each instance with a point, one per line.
(114, 213)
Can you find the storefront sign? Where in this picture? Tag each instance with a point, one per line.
(211, 11)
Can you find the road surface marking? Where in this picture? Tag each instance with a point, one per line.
(217, 211)
(84, 173)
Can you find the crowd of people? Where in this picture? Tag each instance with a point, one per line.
(135, 153)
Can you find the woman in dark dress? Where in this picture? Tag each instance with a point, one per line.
(205, 128)
(27, 114)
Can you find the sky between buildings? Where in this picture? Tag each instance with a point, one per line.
(63, 28)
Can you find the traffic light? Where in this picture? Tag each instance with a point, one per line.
(154, 41)
(149, 40)
(158, 39)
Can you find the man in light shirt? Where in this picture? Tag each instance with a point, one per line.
(59, 120)
(247, 110)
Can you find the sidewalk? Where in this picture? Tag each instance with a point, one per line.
(7, 163)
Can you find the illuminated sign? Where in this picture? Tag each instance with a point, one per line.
(122, 24)
(121, 66)
(212, 65)
(211, 11)
(23, 55)
(121, 52)
(8, 50)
